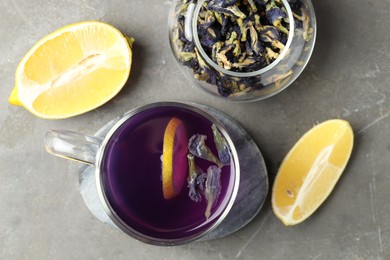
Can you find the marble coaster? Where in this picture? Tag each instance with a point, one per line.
(253, 180)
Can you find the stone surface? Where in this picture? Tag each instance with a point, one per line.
(44, 215)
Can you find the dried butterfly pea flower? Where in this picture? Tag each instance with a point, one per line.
(256, 46)
(200, 181)
(244, 63)
(258, 24)
(222, 56)
(186, 56)
(198, 147)
(252, 5)
(271, 35)
(225, 3)
(208, 37)
(275, 13)
(261, 2)
(231, 10)
(238, 31)
(213, 188)
(195, 180)
(222, 146)
(243, 25)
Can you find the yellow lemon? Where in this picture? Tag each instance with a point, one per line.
(174, 158)
(310, 171)
(73, 70)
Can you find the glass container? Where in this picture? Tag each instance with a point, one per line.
(190, 20)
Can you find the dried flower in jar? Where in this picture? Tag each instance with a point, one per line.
(238, 36)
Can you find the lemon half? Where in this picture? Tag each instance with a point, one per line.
(73, 70)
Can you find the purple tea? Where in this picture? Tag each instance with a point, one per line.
(132, 181)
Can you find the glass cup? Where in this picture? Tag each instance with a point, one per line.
(236, 85)
(128, 167)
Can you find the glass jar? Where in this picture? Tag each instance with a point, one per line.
(190, 19)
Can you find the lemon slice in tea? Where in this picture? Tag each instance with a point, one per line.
(310, 171)
(73, 70)
(174, 158)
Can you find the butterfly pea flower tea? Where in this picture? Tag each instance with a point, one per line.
(140, 200)
(167, 173)
(242, 50)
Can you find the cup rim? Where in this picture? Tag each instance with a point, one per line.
(235, 73)
(125, 227)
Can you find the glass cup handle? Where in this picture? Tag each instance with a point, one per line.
(73, 146)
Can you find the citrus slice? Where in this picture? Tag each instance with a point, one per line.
(174, 158)
(73, 70)
(310, 171)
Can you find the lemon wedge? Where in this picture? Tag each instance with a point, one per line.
(311, 170)
(73, 70)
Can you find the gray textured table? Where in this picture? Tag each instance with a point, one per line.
(43, 215)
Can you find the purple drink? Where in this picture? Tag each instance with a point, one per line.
(132, 181)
